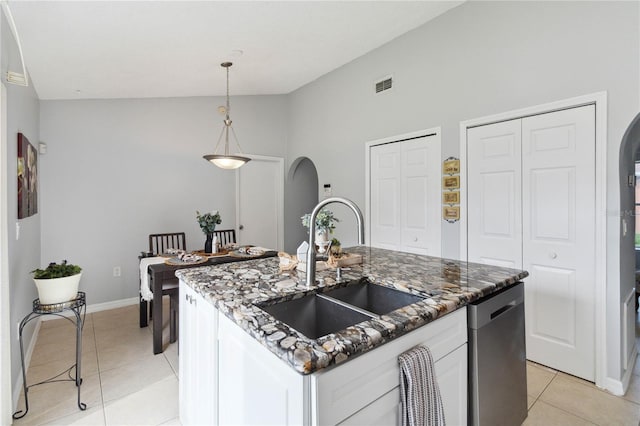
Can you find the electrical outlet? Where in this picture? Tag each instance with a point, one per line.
(116, 271)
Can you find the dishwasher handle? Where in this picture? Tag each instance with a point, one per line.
(484, 311)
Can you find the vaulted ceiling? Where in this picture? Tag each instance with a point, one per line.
(138, 49)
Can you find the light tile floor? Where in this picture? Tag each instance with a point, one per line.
(125, 384)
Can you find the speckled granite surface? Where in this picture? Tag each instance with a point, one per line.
(447, 284)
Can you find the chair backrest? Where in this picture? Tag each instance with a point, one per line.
(226, 236)
(159, 243)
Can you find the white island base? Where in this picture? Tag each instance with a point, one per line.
(227, 377)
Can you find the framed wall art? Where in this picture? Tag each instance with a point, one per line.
(451, 166)
(451, 213)
(27, 178)
(451, 197)
(451, 182)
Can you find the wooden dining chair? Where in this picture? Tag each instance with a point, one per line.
(158, 244)
(226, 236)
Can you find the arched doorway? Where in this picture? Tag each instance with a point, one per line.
(301, 196)
(629, 242)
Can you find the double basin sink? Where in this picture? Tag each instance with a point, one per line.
(319, 314)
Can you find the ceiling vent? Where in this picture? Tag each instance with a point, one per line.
(384, 84)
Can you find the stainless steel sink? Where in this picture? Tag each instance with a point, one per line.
(373, 297)
(315, 316)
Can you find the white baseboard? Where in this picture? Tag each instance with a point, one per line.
(97, 307)
(17, 388)
(619, 387)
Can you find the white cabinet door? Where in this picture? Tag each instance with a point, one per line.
(405, 195)
(384, 411)
(494, 194)
(558, 160)
(198, 361)
(255, 386)
(451, 374)
(345, 390)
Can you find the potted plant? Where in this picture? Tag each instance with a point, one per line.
(335, 249)
(57, 283)
(208, 222)
(325, 224)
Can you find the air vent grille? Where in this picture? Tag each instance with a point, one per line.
(383, 85)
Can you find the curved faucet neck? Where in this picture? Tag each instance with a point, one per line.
(311, 254)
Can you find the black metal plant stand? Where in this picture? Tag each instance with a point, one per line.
(79, 307)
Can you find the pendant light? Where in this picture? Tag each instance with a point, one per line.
(226, 160)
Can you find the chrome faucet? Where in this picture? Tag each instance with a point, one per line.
(311, 254)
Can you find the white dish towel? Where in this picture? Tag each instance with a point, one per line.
(419, 391)
(145, 291)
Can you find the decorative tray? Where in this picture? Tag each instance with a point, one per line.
(221, 252)
(179, 262)
(247, 252)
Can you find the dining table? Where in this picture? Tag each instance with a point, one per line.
(161, 272)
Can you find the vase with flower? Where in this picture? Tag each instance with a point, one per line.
(208, 222)
(325, 224)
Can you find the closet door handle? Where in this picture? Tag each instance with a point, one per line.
(553, 255)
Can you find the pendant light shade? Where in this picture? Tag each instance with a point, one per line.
(227, 161)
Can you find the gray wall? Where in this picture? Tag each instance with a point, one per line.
(24, 253)
(118, 170)
(478, 59)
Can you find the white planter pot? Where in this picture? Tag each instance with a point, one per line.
(322, 236)
(322, 240)
(57, 290)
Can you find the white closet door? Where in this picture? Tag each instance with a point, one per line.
(559, 238)
(420, 176)
(385, 196)
(494, 194)
(405, 195)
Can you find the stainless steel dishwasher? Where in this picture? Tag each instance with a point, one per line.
(497, 359)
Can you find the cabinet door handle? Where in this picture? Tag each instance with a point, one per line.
(553, 255)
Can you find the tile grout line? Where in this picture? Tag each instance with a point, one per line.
(555, 376)
(95, 342)
(571, 413)
(551, 403)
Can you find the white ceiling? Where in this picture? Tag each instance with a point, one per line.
(139, 49)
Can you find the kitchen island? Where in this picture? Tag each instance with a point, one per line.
(228, 342)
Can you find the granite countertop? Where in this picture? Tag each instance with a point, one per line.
(447, 284)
